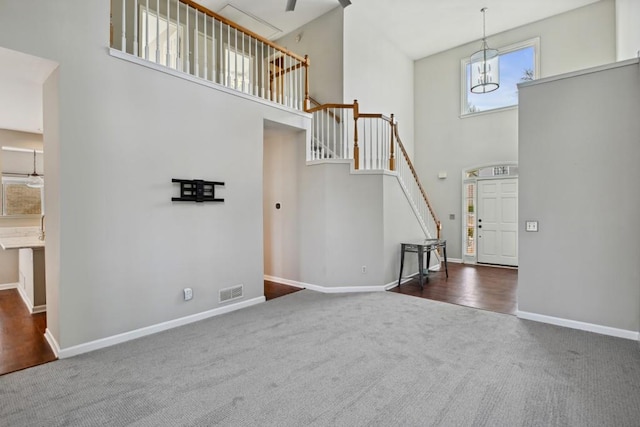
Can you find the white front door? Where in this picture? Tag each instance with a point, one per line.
(498, 221)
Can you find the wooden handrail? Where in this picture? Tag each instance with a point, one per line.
(330, 113)
(288, 70)
(327, 106)
(375, 116)
(250, 33)
(415, 175)
(314, 101)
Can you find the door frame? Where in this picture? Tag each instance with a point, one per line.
(468, 217)
(499, 258)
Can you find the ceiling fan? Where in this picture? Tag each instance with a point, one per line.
(291, 4)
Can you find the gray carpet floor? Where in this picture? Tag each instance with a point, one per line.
(343, 359)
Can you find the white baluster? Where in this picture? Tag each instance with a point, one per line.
(235, 49)
(135, 27)
(146, 32)
(287, 80)
(123, 46)
(264, 71)
(178, 47)
(332, 117)
(254, 70)
(294, 79)
(214, 58)
(228, 65)
(206, 66)
(221, 56)
(196, 53)
(187, 55)
(168, 61)
(244, 80)
(157, 31)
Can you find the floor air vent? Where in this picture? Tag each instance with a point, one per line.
(229, 294)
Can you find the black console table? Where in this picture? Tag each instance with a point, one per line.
(421, 247)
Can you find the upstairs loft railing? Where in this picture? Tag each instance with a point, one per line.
(341, 131)
(187, 37)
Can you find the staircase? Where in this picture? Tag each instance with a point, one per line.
(371, 142)
(182, 37)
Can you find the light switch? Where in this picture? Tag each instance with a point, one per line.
(531, 226)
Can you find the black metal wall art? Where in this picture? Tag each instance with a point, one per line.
(196, 190)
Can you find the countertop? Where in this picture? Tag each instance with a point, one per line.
(20, 238)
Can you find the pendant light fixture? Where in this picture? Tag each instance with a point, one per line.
(35, 180)
(485, 65)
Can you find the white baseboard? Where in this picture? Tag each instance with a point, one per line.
(336, 289)
(33, 309)
(139, 333)
(285, 281)
(25, 299)
(454, 260)
(52, 342)
(583, 326)
(5, 286)
(39, 309)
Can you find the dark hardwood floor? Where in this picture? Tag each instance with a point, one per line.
(477, 286)
(274, 290)
(484, 287)
(22, 342)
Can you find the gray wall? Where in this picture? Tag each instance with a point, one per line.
(571, 41)
(378, 74)
(322, 40)
(119, 251)
(579, 175)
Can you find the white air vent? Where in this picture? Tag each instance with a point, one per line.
(229, 294)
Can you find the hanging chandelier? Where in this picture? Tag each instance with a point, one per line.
(35, 180)
(485, 65)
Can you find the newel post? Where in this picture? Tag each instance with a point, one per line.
(392, 153)
(307, 101)
(356, 149)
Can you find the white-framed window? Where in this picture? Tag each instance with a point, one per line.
(237, 69)
(19, 199)
(155, 28)
(518, 62)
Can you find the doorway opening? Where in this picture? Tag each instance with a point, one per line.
(283, 159)
(24, 291)
(490, 215)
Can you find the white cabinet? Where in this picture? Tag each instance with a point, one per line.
(31, 279)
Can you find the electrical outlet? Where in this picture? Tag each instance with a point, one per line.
(364, 269)
(531, 225)
(188, 294)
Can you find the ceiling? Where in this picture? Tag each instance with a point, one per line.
(418, 27)
(21, 79)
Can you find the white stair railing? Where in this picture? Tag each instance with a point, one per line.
(187, 37)
(416, 194)
(332, 128)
